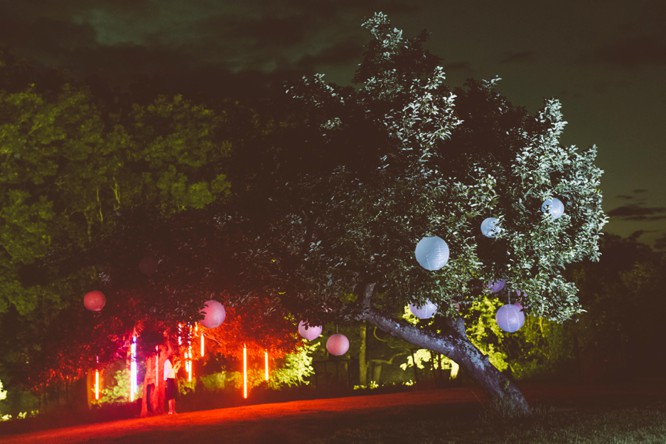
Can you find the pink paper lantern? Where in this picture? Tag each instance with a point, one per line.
(214, 314)
(94, 300)
(510, 317)
(309, 332)
(337, 344)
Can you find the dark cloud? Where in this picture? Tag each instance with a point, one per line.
(626, 196)
(638, 212)
(519, 57)
(341, 53)
(644, 50)
(660, 243)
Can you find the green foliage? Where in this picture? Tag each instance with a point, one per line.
(484, 333)
(294, 368)
(119, 391)
(426, 162)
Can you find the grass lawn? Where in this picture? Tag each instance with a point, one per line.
(592, 423)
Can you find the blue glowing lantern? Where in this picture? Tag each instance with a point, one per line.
(490, 227)
(496, 286)
(425, 311)
(553, 207)
(432, 253)
(510, 317)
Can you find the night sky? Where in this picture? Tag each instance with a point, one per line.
(605, 60)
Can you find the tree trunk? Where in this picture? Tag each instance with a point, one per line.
(362, 358)
(456, 345)
(153, 384)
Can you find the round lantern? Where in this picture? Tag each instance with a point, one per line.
(554, 207)
(490, 227)
(94, 300)
(510, 317)
(337, 344)
(425, 311)
(497, 285)
(214, 314)
(309, 332)
(432, 253)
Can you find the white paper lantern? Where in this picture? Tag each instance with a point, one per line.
(490, 227)
(554, 207)
(497, 285)
(510, 317)
(432, 253)
(94, 300)
(337, 344)
(214, 314)
(309, 332)
(425, 311)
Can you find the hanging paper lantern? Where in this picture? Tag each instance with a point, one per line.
(432, 253)
(554, 207)
(337, 344)
(309, 332)
(94, 300)
(214, 314)
(425, 311)
(510, 318)
(497, 285)
(490, 227)
(148, 266)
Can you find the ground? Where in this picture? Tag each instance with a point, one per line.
(353, 419)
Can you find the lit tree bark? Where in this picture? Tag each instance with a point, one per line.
(362, 355)
(456, 345)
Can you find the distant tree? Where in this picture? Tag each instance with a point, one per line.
(401, 157)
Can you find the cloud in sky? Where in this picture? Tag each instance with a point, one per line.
(638, 211)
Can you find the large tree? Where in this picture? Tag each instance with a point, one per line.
(399, 157)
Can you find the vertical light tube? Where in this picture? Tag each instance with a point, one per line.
(133, 386)
(158, 376)
(244, 371)
(266, 365)
(96, 385)
(202, 340)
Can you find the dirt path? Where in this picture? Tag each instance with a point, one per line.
(295, 421)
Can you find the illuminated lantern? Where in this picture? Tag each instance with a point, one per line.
(490, 227)
(432, 253)
(425, 311)
(214, 314)
(337, 344)
(554, 207)
(309, 332)
(510, 317)
(497, 285)
(148, 266)
(94, 300)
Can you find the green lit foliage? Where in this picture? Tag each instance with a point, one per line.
(119, 389)
(427, 162)
(483, 331)
(294, 368)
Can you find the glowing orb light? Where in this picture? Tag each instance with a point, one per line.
(214, 314)
(554, 207)
(510, 318)
(94, 300)
(425, 311)
(337, 344)
(497, 285)
(309, 332)
(490, 227)
(432, 253)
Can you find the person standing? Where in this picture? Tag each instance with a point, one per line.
(170, 370)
